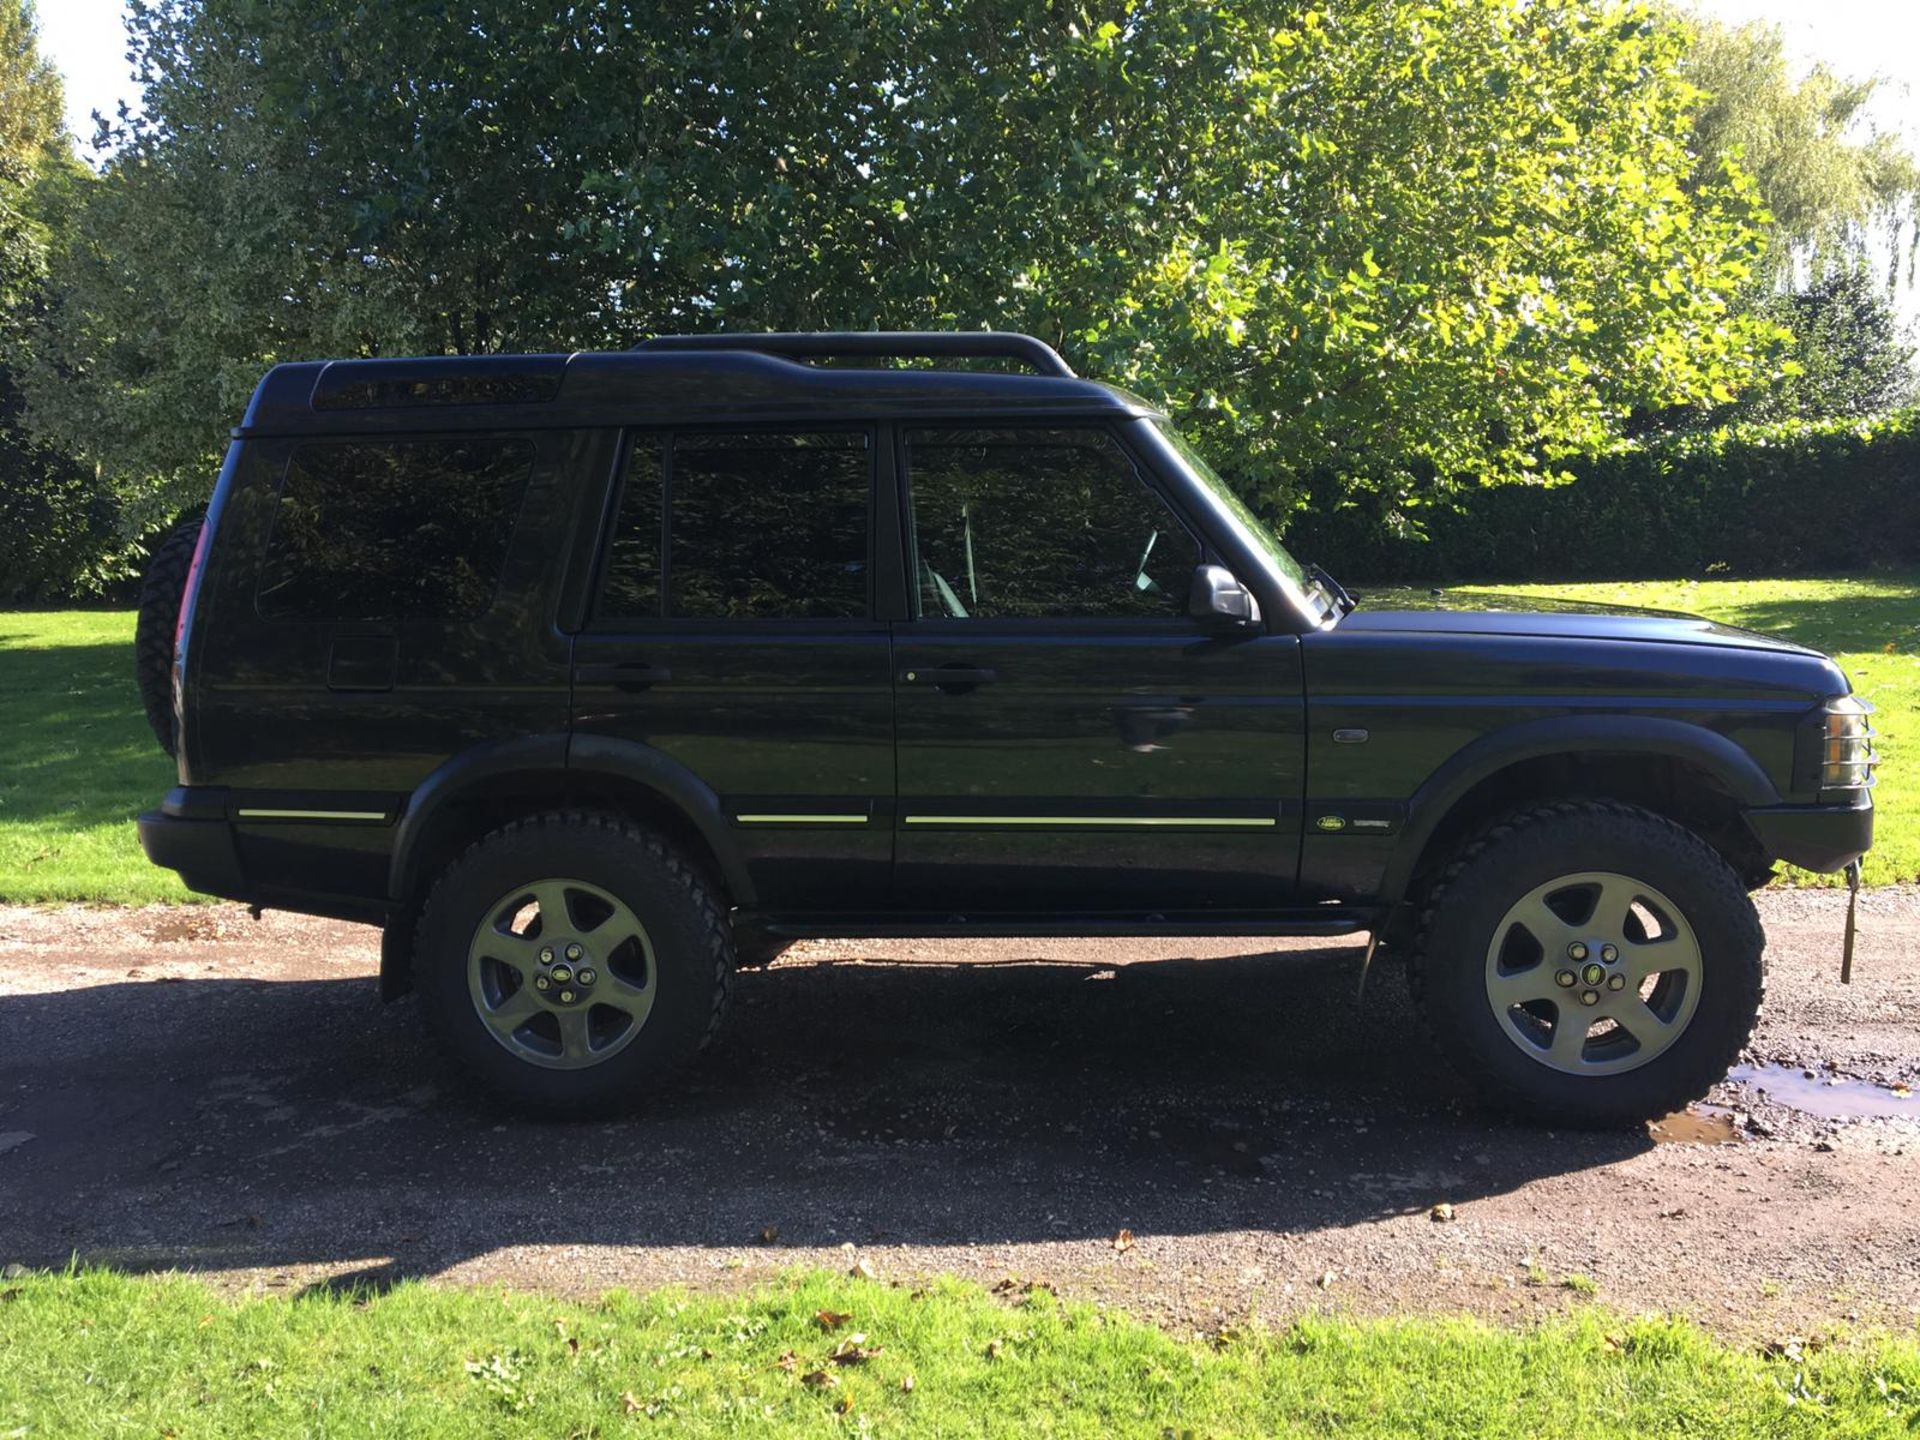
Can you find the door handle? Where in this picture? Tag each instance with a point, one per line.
(622, 674)
(950, 677)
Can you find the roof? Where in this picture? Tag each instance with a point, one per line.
(673, 381)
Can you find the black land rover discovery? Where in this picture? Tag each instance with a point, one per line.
(586, 676)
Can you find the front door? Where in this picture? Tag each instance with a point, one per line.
(1068, 738)
(734, 632)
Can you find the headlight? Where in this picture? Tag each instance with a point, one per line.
(1846, 757)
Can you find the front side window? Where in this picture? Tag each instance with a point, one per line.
(393, 529)
(1037, 524)
(759, 526)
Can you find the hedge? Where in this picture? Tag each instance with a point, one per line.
(1747, 501)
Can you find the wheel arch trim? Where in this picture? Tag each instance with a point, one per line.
(568, 760)
(1655, 737)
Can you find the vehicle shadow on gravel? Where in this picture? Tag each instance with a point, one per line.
(222, 1123)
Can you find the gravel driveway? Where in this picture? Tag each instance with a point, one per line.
(191, 1088)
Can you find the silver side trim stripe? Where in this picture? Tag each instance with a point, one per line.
(313, 814)
(1243, 821)
(801, 819)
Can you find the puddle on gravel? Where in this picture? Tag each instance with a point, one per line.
(1831, 1097)
(1695, 1125)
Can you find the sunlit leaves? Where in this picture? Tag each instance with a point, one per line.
(1401, 245)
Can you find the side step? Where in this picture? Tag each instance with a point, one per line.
(1323, 921)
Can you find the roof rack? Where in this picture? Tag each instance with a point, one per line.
(887, 344)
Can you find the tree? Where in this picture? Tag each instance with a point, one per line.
(1829, 183)
(58, 522)
(1853, 358)
(1403, 245)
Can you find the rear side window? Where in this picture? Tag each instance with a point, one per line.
(393, 530)
(766, 525)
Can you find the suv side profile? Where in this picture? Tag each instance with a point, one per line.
(588, 676)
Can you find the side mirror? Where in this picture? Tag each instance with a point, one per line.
(1219, 598)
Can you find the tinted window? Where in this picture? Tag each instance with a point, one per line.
(1019, 523)
(632, 586)
(765, 526)
(393, 530)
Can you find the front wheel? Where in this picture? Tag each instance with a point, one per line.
(1590, 964)
(571, 960)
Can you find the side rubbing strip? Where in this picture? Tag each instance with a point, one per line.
(1183, 821)
(801, 819)
(313, 814)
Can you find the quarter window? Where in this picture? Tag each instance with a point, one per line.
(393, 530)
(1040, 524)
(761, 526)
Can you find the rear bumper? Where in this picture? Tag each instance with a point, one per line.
(1815, 837)
(189, 834)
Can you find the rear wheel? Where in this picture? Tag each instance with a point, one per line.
(571, 960)
(162, 590)
(1590, 964)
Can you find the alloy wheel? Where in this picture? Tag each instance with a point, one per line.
(561, 973)
(1593, 973)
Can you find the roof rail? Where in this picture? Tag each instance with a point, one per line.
(887, 344)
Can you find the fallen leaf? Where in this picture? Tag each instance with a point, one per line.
(854, 1350)
(573, 1345)
(769, 1234)
(844, 1403)
(1123, 1242)
(1440, 1213)
(630, 1402)
(832, 1319)
(906, 1384)
(1327, 1277)
(1610, 1343)
(994, 1347)
(819, 1380)
(787, 1361)
(863, 1270)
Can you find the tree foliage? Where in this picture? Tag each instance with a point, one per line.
(1832, 185)
(1404, 244)
(1853, 358)
(58, 522)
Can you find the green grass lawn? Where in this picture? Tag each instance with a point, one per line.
(77, 761)
(104, 1355)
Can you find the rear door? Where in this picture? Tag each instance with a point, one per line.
(733, 631)
(1069, 739)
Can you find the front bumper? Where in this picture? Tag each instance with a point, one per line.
(1815, 837)
(189, 834)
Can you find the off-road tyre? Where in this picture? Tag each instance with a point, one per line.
(685, 920)
(161, 591)
(1469, 899)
